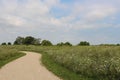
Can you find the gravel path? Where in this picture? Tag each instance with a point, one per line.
(27, 67)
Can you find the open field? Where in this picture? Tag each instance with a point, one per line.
(80, 62)
(77, 39)
(99, 63)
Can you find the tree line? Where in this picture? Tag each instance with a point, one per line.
(29, 40)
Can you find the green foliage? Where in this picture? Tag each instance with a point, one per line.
(7, 54)
(19, 40)
(84, 43)
(29, 40)
(117, 44)
(64, 44)
(68, 44)
(4, 43)
(36, 41)
(99, 63)
(59, 70)
(46, 43)
(9, 43)
(60, 44)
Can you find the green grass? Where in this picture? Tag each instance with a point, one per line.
(7, 55)
(80, 63)
(61, 71)
(98, 63)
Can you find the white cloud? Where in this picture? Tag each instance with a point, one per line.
(51, 2)
(14, 20)
(31, 12)
(98, 12)
(38, 13)
(84, 16)
(35, 16)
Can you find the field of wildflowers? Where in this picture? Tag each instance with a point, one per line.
(92, 62)
(98, 62)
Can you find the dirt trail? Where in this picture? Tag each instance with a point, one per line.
(27, 67)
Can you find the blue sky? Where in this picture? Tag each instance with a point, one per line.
(96, 21)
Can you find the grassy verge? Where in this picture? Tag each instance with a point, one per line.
(98, 63)
(83, 63)
(2, 63)
(59, 70)
(7, 55)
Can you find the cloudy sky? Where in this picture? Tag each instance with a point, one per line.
(96, 21)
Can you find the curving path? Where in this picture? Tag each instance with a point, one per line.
(27, 67)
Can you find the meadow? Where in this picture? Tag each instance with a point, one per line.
(79, 62)
(97, 63)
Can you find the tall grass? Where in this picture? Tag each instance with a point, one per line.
(7, 54)
(92, 62)
(101, 63)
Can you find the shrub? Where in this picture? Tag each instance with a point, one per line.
(84, 43)
(4, 43)
(46, 43)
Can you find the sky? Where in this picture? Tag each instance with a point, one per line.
(96, 21)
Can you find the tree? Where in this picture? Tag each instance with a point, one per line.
(19, 40)
(29, 40)
(64, 44)
(4, 43)
(37, 41)
(84, 43)
(9, 43)
(118, 44)
(67, 44)
(60, 44)
(46, 43)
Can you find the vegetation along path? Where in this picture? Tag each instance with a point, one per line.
(26, 68)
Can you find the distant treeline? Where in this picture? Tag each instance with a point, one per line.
(29, 40)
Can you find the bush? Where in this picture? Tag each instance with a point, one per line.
(64, 44)
(4, 43)
(46, 43)
(84, 43)
(29, 40)
(9, 43)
